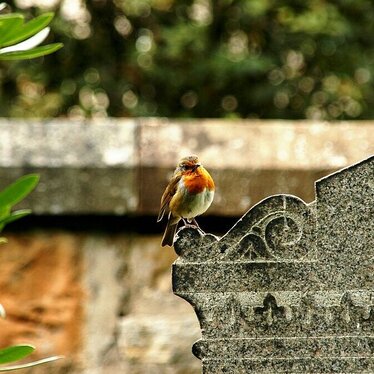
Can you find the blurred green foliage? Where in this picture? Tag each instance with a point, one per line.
(203, 58)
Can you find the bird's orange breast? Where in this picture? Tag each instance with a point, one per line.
(197, 181)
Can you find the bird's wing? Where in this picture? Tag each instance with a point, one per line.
(168, 194)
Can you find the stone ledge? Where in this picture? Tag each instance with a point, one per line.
(121, 166)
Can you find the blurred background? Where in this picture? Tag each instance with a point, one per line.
(272, 95)
(226, 58)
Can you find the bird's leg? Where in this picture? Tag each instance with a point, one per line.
(187, 223)
(194, 222)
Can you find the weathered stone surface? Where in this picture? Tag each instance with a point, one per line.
(121, 166)
(290, 288)
(84, 167)
(105, 291)
(156, 343)
(68, 144)
(42, 295)
(262, 157)
(154, 331)
(64, 191)
(104, 301)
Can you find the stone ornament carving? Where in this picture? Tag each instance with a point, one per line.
(290, 288)
(279, 228)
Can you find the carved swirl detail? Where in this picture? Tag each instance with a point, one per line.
(276, 235)
(282, 232)
(273, 238)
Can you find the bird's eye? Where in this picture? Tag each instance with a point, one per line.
(185, 166)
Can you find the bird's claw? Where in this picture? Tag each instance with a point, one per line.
(193, 224)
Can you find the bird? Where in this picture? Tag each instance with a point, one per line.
(189, 194)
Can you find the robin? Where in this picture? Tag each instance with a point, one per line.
(188, 194)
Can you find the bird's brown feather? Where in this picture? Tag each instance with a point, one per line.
(168, 194)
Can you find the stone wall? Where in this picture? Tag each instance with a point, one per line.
(103, 301)
(103, 298)
(121, 166)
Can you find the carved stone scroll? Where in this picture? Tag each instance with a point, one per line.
(290, 288)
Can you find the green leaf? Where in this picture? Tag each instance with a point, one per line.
(4, 212)
(14, 216)
(9, 23)
(18, 190)
(27, 30)
(31, 364)
(14, 353)
(32, 53)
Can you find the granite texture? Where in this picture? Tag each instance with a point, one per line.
(290, 288)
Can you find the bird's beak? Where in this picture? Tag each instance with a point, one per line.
(196, 166)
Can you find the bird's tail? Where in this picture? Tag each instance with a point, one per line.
(171, 228)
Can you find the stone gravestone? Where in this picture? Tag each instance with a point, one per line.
(290, 288)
